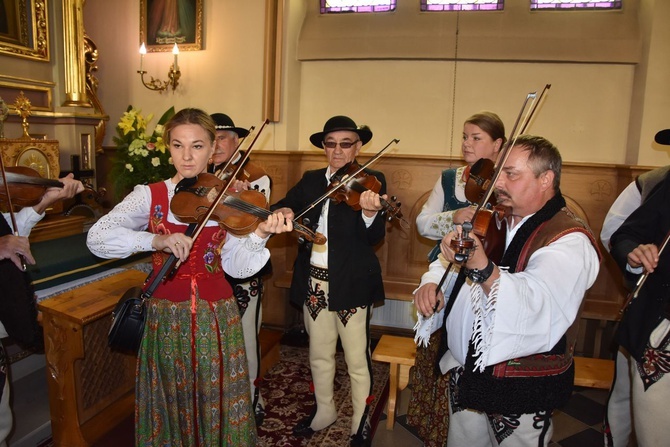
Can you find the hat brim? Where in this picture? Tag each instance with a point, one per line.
(364, 134)
(663, 137)
(238, 130)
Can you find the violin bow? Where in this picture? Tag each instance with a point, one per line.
(641, 280)
(5, 181)
(344, 180)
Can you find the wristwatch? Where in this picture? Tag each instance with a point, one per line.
(479, 276)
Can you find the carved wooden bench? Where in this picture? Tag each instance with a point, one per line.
(400, 354)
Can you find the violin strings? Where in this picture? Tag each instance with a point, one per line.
(257, 211)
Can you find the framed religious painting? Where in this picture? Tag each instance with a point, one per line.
(164, 23)
(23, 29)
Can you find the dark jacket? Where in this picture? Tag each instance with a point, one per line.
(649, 224)
(354, 271)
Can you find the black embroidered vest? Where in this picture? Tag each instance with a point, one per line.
(536, 382)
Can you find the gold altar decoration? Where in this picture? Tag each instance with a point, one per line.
(22, 106)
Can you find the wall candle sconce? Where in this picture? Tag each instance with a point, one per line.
(157, 84)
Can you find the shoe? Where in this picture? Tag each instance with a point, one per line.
(363, 438)
(359, 441)
(303, 428)
(259, 415)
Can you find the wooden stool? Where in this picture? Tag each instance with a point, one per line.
(400, 354)
(594, 373)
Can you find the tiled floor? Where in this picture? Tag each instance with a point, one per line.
(576, 425)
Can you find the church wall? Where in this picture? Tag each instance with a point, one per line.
(589, 112)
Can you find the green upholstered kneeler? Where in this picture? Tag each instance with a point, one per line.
(66, 259)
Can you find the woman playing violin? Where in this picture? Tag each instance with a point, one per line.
(336, 284)
(18, 315)
(248, 291)
(192, 384)
(483, 137)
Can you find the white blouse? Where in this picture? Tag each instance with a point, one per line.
(123, 232)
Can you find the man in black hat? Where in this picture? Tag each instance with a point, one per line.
(337, 283)
(247, 291)
(617, 426)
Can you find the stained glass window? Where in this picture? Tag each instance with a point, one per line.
(337, 6)
(462, 5)
(575, 4)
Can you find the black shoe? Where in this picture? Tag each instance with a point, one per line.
(259, 415)
(303, 428)
(360, 441)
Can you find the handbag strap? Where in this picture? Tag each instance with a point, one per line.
(167, 268)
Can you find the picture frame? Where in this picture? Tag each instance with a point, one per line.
(160, 28)
(24, 29)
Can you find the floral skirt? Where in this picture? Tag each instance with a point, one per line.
(428, 409)
(192, 386)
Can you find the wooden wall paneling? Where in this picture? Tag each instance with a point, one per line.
(593, 187)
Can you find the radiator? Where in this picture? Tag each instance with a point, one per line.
(394, 313)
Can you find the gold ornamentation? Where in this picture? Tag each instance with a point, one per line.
(23, 109)
(4, 112)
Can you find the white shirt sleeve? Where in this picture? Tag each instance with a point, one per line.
(527, 312)
(242, 257)
(431, 222)
(26, 219)
(123, 231)
(627, 202)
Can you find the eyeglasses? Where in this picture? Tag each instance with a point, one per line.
(343, 144)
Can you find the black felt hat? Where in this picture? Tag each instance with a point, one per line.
(663, 137)
(223, 122)
(341, 122)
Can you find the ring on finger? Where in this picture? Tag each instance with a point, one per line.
(177, 243)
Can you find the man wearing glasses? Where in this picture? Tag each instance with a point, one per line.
(336, 284)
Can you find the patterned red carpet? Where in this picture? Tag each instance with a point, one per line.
(286, 389)
(287, 401)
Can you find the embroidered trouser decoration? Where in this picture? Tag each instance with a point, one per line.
(246, 291)
(346, 314)
(316, 299)
(655, 363)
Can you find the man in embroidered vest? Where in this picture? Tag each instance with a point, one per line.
(644, 331)
(618, 422)
(512, 324)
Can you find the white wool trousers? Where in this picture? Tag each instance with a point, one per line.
(323, 334)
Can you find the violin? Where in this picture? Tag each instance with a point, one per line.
(239, 212)
(24, 186)
(489, 220)
(356, 181)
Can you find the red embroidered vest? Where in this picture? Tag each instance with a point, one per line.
(202, 270)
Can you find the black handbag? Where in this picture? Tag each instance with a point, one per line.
(128, 317)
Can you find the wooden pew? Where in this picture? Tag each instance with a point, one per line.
(91, 388)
